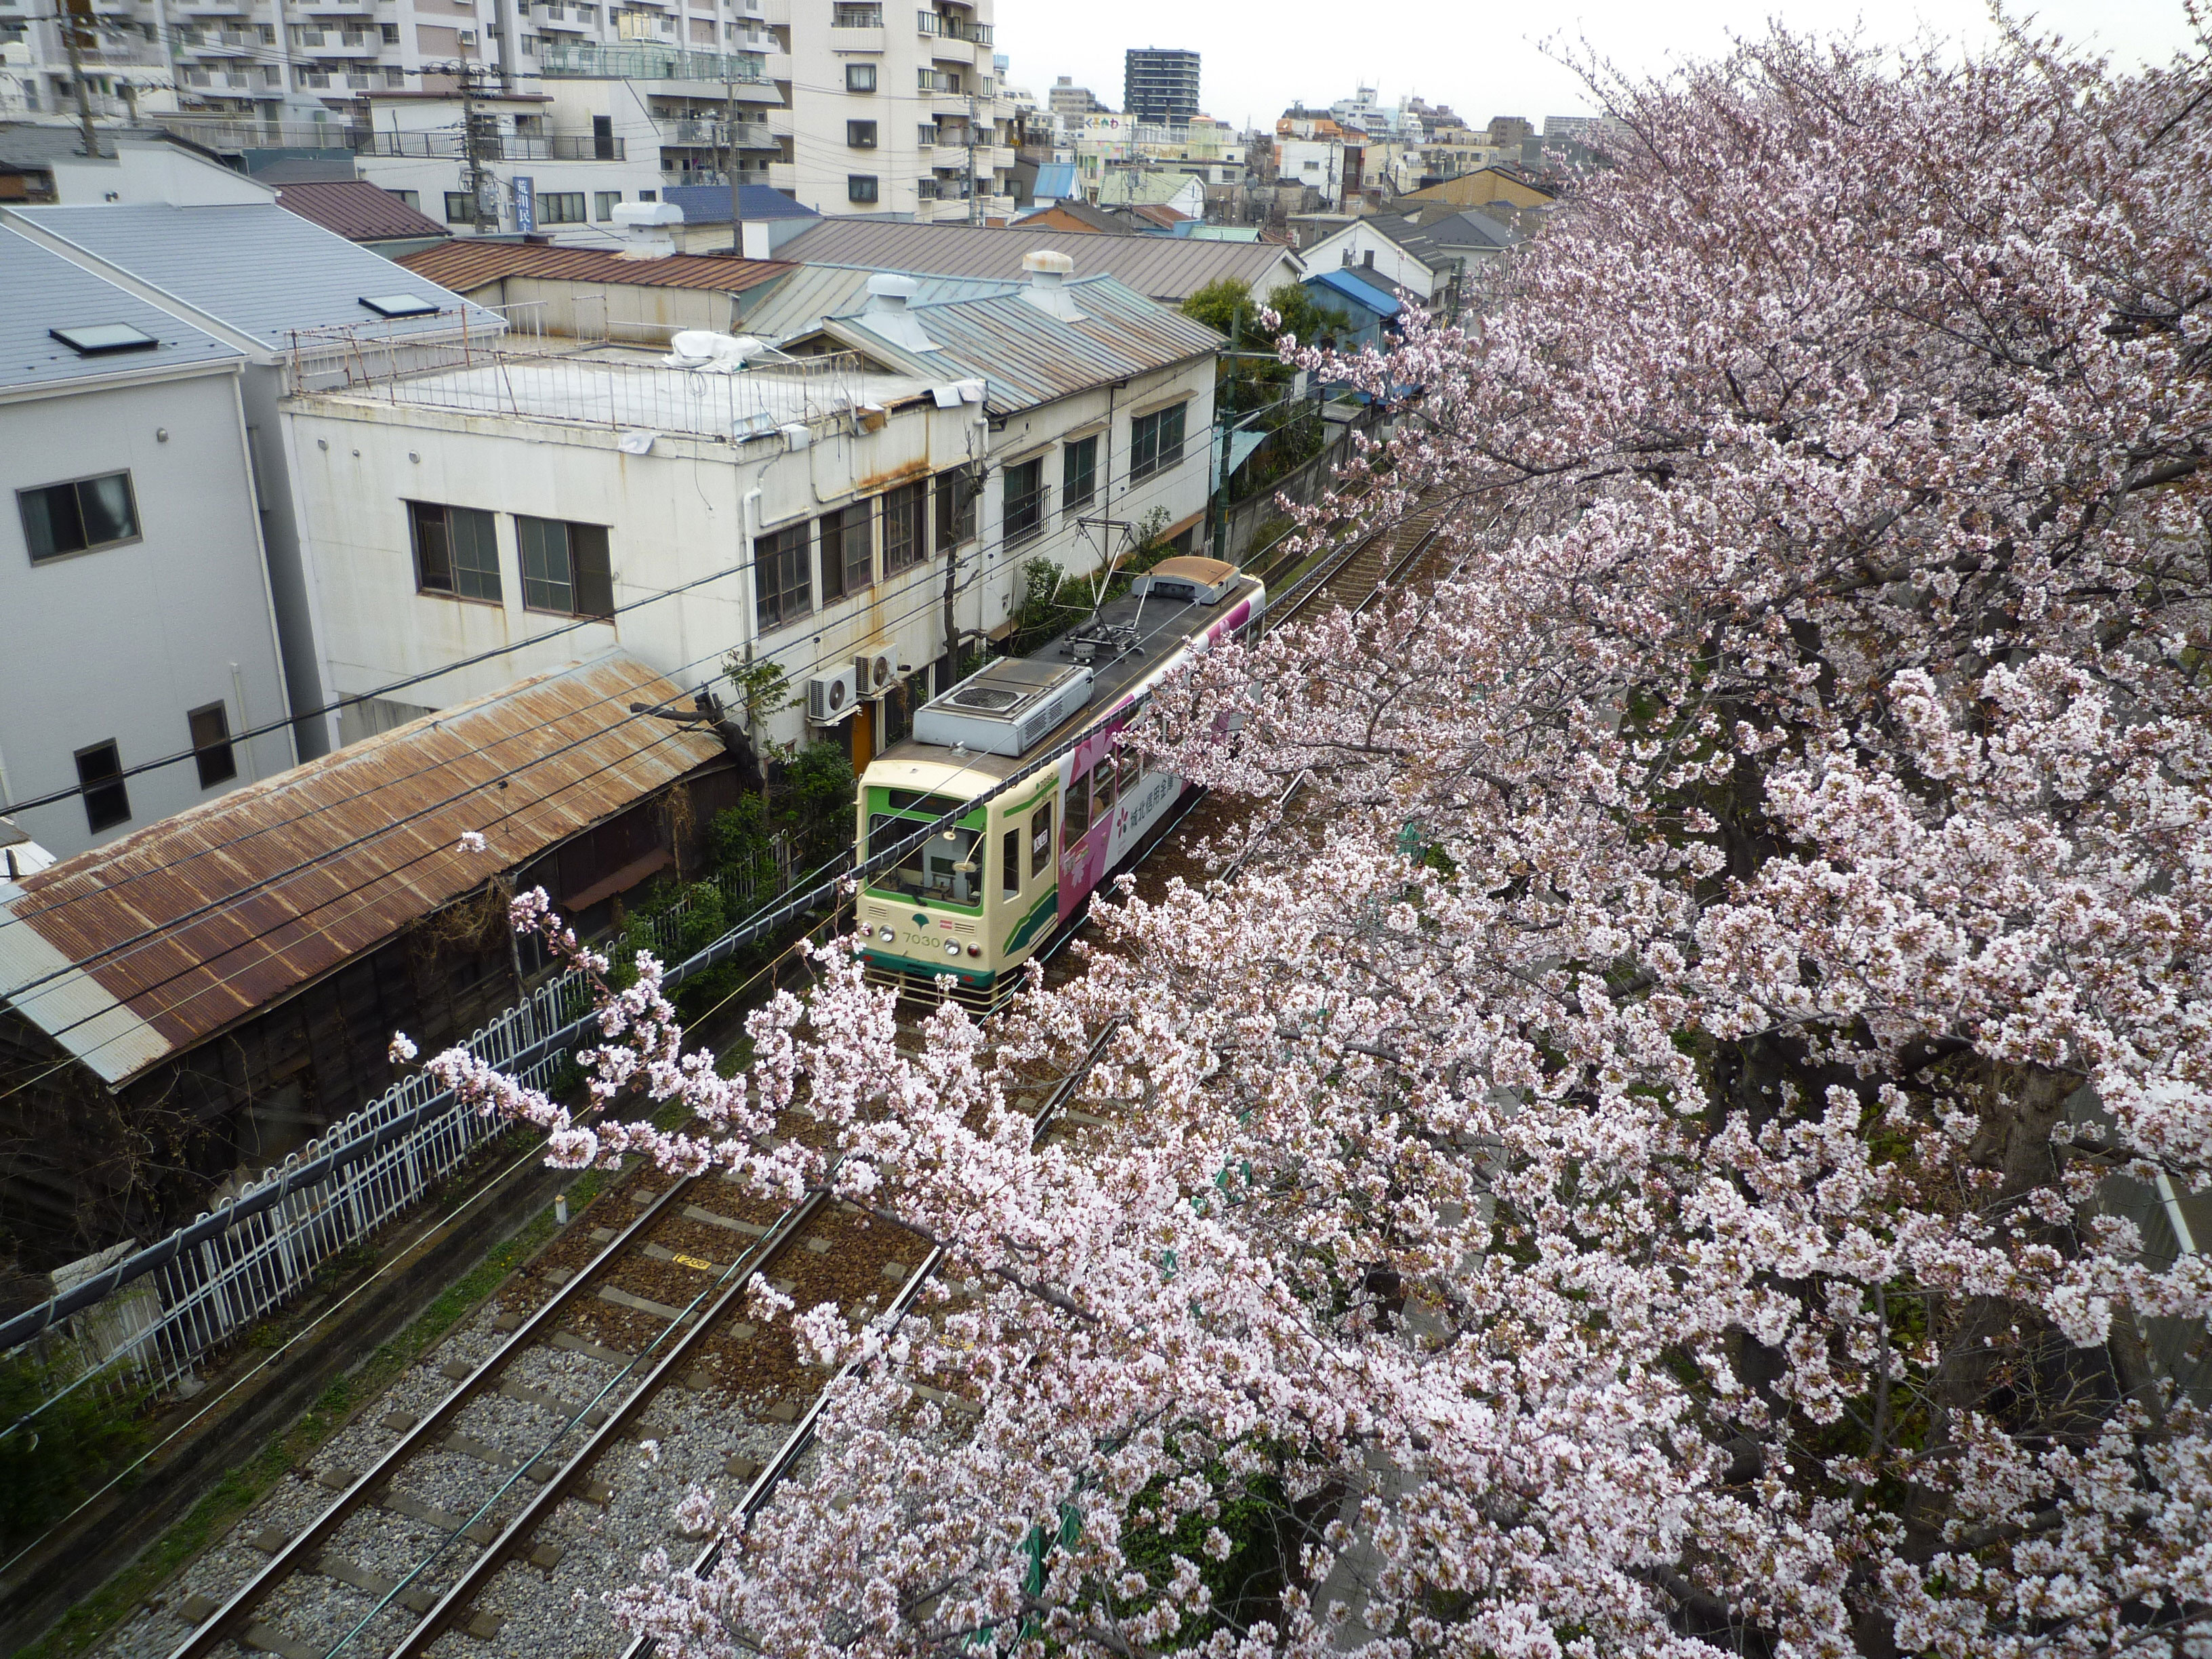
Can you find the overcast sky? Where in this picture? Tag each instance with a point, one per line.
(1482, 59)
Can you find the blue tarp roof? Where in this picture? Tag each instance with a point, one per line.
(1055, 182)
(1360, 294)
(710, 204)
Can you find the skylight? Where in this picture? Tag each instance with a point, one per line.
(98, 339)
(400, 305)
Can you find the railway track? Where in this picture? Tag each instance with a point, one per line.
(625, 1331)
(1367, 568)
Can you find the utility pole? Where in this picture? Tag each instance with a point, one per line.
(730, 153)
(1225, 415)
(479, 146)
(974, 201)
(73, 15)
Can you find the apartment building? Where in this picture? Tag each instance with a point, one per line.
(1159, 84)
(897, 110)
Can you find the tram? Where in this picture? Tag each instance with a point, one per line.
(979, 899)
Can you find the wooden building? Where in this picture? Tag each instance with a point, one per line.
(211, 992)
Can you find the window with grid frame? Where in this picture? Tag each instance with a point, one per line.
(1078, 473)
(955, 492)
(99, 775)
(565, 567)
(212, 749)
(460, 208)
(848, 551)
(859, 77)
(561, 207)
(603, 204)
(1155, 441)
(781, 592)
(905, 531)
(456, 551)
(78, 517)
(1023, 516)
(860, 187)
(860, 135)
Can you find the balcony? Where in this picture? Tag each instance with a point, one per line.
(776, 14)
(783, 175)
(636, 60)
(844, 38)
(509, 147)
(213, 9)
(715, 135)
(338, 43)
(946, 49)
(338, 80)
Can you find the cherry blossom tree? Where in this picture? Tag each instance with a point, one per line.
(1662, 1143)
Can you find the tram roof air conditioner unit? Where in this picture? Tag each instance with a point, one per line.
(1004, 707)
(832, 697)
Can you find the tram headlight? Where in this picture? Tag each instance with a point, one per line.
(952, 947)
(885, 936)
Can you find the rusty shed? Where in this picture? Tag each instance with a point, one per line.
(215, 990)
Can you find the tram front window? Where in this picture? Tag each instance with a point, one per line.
(943, 868)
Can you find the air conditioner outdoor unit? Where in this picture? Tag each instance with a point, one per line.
(832, 697)
(872, 675)
(468, 37)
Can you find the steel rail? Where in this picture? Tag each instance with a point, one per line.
(230, 1620)
(477, 1577)
(796, 1444)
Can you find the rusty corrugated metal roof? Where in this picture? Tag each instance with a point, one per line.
(357, 211)
(1024, 354)
(464, 264)
(150, 945)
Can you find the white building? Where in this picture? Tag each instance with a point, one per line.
(139, 623)
(270, 286)
(812, 513)
(894, 110)
(1317, 163)
(126, 69)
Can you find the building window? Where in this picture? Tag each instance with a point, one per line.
(1022, 517)
(78, 516)
(391, 32)
(859, 77)
(925, 135)
(955, 507)
(412, 198)
(780, 585)
(564, 568)
(848, 551)
(860, 135)
(456, 551)
(859, 186)
(1155, 441)
(212, 749)
(100, 771)
(904, 544)
(603, 204)
(460, 208)
(561, 207)
(1078, 473)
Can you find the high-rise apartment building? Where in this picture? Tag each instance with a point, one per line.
(894, 112)
(1071, 102)
(1160, 84)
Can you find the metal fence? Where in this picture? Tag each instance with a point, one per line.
(153, 1333)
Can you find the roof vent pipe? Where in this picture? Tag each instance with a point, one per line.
(886, 315)
(1048, 285)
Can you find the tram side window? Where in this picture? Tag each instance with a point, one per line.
(1075, 818)
(1010, 863)
(1041, 840)
(1102, 788)
(942, 868)
(1132, 767)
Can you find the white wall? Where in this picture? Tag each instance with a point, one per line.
(675, 515)
(122, 642)
(1358, 240)
(154, 173)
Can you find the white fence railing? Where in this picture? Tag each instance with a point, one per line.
(150, 1334)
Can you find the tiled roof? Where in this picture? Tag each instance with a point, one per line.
(357, 211)
(46, 291)
(1163, 267)
(150, 945)
(466, 264)
(1025, 355)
